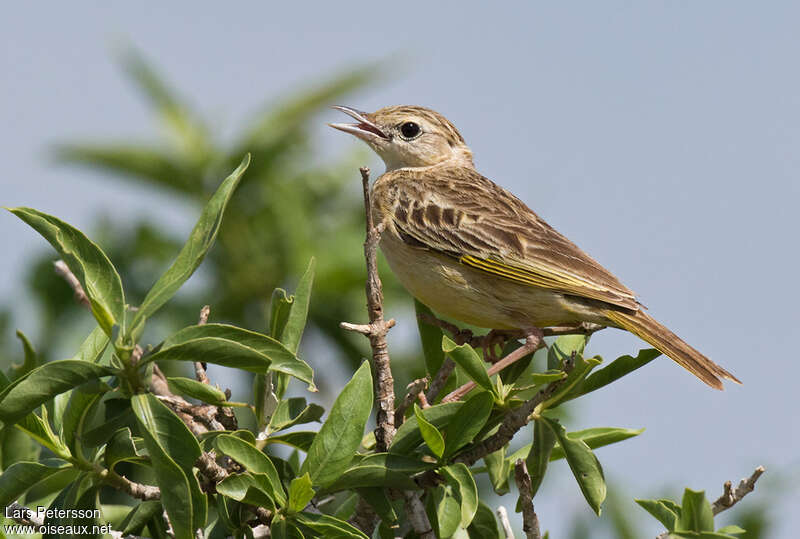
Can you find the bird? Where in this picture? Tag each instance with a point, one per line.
(469, 249)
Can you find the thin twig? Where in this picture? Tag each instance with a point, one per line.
(448, 365)
(414, 390)
(383, 381)
(199, 366)
(80, 294)
(512, 423)
(377, 328)
(731, 496)
(533, 341)
(502, 514)
(530, 521)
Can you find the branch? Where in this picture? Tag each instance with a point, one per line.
(414, 390)
(512, 423)
(530, 522)
(448, 365)
(731, 496)
(417, 515)
(502, 514)
(377, 328)
(80, 295)
(376, 331)
(199, 366)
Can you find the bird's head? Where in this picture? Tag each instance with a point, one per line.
(408, 136)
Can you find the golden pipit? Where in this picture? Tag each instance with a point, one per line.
(471, 250)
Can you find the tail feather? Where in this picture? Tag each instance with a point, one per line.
(647, 328)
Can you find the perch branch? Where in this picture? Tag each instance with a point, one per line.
(530, 522)
(448, 365)
(376, 331)
(377, 328)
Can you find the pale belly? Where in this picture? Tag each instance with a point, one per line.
(479, 298)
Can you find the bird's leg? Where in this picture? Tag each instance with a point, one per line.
(534, 339)
(495, 338)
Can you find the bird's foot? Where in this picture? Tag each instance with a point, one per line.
(497, 338)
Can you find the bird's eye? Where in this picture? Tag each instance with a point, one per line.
(410, 130)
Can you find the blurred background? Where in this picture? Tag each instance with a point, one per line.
(662, 138)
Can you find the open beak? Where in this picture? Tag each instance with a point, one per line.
(363, 129)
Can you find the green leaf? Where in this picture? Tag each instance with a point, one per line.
(433, 438)
(300, 493)
(431, 337)
(280, 528)
(246, 488)
(253, 461)
(566, 391)
(498, 468)
(195, 249)
(731, 529)
(18, 478)
(408, 436)
(173, 450)
(467, 422)
(31, 358)
(460, 478)
(597, 437)
(122, 447)
(43, 491)
(377, 499)
(484, 525)
(443, 510)
(39, 429)
(302, 440)
(42, 384)
(87, 262)
(231, 346)
(661, 512)
(380, 470)
(338, 439)
(617, 369)
(292, 330)
(584, 465)
(264, 399)
(139, 516)
(81, 404)
(329, 527)
(93, 346)
(294, 411)
(696, 512)
(564, 348)
(189, 387)
(540, 454)
(468, 359)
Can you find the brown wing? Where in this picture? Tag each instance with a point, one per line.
(459, 212)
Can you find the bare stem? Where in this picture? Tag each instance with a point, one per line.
(731, 496)
(502, 514)
(530, 521)
(199, 366)
(377, 328)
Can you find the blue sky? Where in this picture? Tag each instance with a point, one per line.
(661, 137)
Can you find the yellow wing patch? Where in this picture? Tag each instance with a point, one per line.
(551, 280)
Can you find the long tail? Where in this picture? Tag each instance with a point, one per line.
(647, 328)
